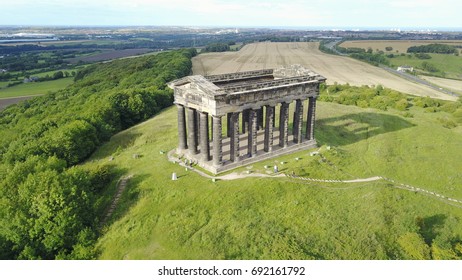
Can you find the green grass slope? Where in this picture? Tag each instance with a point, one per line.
(286, 218)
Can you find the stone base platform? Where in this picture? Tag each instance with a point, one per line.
(244, 158)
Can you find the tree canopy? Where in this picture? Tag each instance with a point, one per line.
(46, 205)
(434, 48)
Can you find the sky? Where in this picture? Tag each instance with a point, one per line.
(237, 13)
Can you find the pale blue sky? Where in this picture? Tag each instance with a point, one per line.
(329, 13)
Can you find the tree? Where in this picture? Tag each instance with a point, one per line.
(388, 49)
(429, 67)
(402, 104)
(413, 246)
(58, 75)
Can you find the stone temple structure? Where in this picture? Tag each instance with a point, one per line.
(229, 120)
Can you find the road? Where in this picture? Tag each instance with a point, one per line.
(407, 76)
(413, 78)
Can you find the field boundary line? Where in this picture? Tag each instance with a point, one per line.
(22, 96)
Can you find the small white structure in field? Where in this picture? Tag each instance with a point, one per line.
(174, 177)
(405, 68)
(275, 169)
(314, 153)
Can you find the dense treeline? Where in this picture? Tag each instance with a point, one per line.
(217, 47)
(371, 58)
(434, 48)
(29, 61)
(365, 97)
(382, 98)
(324, 48)
(350, 50)
(46, 205)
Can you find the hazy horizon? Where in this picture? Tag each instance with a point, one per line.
(331, 14)
(295, 28)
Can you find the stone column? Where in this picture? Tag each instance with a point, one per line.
(298, 121)
(182, 144)
(234, 141)
(245, 120)
(217, 141)
(204, 136)
(259, 118)
(274, 116)
(211, 129)
(228, 124)
(269, 125)
(192, 133)
(252, 136)
(198, 126)
(284, 125)
(310, 118)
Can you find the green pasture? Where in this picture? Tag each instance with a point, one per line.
(450, 64)
(36, 88)
(3, 84)
(284, 218)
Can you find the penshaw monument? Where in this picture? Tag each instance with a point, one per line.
(229, 120)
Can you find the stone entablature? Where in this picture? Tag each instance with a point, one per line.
(251, 97)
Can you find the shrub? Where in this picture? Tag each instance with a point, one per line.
(447, 122)
(402, 104)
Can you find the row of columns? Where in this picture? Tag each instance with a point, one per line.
(195, 133)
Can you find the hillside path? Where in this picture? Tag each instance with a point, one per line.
(395, 184)
(121, 185)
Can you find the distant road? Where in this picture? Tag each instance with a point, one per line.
(418, 80)
(404, 75)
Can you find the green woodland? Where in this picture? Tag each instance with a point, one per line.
(48, 203)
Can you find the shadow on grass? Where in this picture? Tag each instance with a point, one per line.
(352, 128)
(429, 226)
(116, 145)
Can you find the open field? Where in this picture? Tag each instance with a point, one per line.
(335, 68)
(39, 88)
(283, 218)
(397, 45)
(5, 102)
(108, 55)
(449, 64)
(453, 85)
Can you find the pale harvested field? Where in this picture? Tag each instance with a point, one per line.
(452, 85)
(400, 46)
(335, 68)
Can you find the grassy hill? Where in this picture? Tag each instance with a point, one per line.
(286, 218)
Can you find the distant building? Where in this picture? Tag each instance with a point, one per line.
(405, 68)
(3, 70)
(31, 79)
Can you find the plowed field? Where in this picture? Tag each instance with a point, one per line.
(335, 68)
